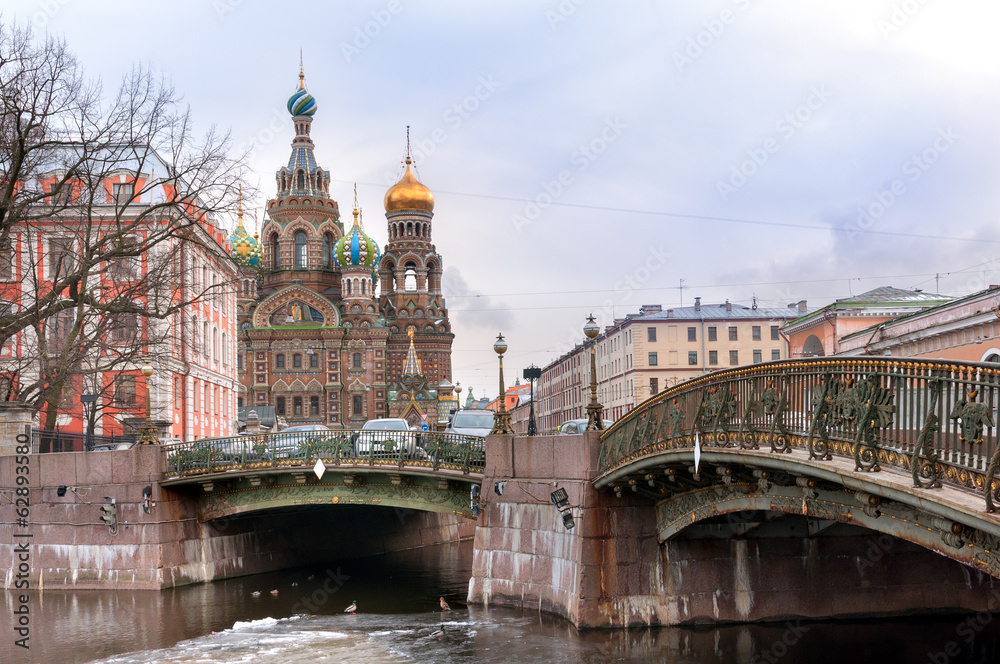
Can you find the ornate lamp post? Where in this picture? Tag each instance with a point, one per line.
(594, 408)
(458, 395)
(148, 435)
(532, 373)
(501, 419)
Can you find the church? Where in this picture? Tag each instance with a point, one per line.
(332, 329)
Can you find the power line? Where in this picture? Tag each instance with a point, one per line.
(699, 217)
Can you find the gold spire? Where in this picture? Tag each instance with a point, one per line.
(239, 210)
(302, 73)
(357, 212)
(408, 193)
(412, 364)
(255, 234)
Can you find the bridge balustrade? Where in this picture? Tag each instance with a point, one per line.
(935, 419)
(397, 449)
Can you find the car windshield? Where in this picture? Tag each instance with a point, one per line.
(306, 427)
(482, 420)
(385, 425)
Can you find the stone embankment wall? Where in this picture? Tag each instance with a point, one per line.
(610, 571)
(71, 548)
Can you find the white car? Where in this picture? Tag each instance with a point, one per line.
(393, 430)
(476, 423)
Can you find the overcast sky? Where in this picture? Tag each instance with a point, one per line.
(588, 156)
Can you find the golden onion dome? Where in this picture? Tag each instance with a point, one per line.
(409, 194)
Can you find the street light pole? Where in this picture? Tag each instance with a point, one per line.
(532, 373)
(594, 408)
(501, 419)
(148, 435)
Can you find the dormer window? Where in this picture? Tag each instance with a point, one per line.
(122, 192)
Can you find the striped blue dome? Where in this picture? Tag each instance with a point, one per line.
(356, 249)
(302, 103)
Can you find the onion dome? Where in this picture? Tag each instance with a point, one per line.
(244, 249)
(408, 193)
(302, 103)
(356, 249)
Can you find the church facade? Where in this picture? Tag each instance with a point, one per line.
(332, 329)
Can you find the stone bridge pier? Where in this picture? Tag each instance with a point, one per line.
(620, 565)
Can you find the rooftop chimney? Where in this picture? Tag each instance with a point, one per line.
(650, 309)
(729, 305)
(670, 313)
(697, 304)
(801, 306)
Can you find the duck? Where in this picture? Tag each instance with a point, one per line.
(353, 607)
(274, 592)
(255, 593)
(444, 605)
(311, 577)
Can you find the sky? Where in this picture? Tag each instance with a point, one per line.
(591, 157)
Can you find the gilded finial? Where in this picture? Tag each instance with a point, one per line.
(302, 72)
(255, 234)
(356, 210)
(409, 160)
(239, 208)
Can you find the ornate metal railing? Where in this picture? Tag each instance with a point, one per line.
(935, 419)
(303, 448)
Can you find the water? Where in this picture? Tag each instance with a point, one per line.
(399, 620)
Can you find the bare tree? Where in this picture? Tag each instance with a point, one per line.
(101, 204)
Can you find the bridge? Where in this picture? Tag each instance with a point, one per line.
(902, 447)
(426, 471)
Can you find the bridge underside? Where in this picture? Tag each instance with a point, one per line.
(227, 494)
(736, 482)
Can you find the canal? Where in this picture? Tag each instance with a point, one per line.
(399, 620)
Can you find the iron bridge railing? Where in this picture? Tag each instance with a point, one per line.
(303, 448)
(934, 419)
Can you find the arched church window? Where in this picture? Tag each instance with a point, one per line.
(300, 249)
(348, 286)
(275, 252)
(409, 229)
(327, 249)
(410, 280)
(302, 182)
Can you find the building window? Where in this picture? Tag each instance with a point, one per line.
(734, 357)
(60, 257)
(755, 332)
(774, 333)
(239, 362)
(654, 386)
(205, 347)
(6, 260)
(124, 267)
(650, 334)
(327, 249)
(124, 387)
(757, 357)
(296, 361)
(733, 336)
(124, 327)
(275, 252)
(692, 357)
(713, 334)
(122, 192)
(357, 361)
(775, 355)
(692, 334)
(60, 326)
(314, 405)
(652, 359)
(314, 361)
(713, 357)
(300, 249)
(357, 405)
(279, 405)
(297, 405)
(279, 361)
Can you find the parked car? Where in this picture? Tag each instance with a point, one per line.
(290, 443)
(115, 446)
(477, 423)
(579, 426)
(392, 430)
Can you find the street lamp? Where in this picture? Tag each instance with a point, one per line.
(148, 435)
(532, 374)
(594, 408)
(88, 401)
(501, 419)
